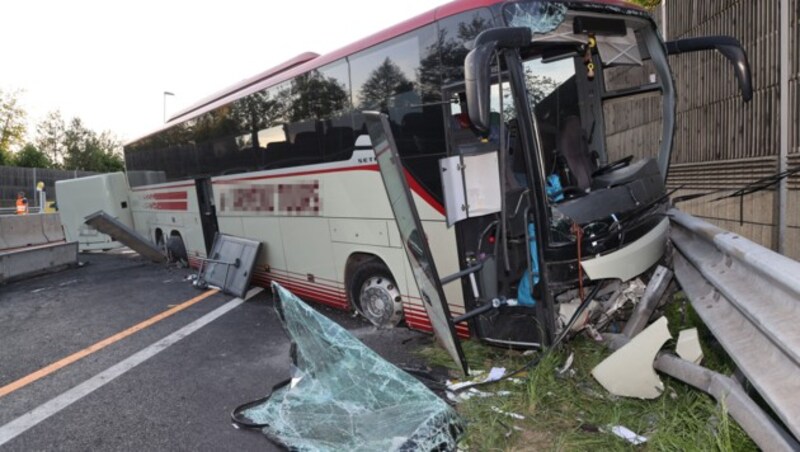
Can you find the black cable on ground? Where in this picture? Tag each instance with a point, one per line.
(238, 418)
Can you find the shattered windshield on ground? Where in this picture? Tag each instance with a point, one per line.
(344, 396)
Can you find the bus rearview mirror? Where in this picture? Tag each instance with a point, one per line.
(729, 47)
(477, 69)
(476, 80)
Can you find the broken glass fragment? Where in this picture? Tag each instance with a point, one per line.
(343, 396)
(540, 17)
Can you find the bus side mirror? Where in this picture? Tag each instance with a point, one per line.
(477, 82)
(729, 47)
(477, 69)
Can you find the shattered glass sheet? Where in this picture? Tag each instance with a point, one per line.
(540, 17)
(343, 396)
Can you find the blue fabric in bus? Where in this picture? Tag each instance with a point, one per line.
(555, 192)
(344, 396)
(524, 289)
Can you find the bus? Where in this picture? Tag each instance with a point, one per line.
(536, 95)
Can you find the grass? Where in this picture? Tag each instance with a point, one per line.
(573, 412)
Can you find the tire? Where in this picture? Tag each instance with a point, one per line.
(176, 250)
(375, 295)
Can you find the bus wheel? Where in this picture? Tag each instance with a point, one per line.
(375, 294)
(176, 250)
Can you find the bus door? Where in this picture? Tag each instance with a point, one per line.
(208, 212)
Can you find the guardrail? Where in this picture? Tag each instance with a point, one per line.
(749, 297)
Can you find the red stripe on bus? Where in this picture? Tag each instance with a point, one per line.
(304, 275)
(169, 205)
(306, 285)
(304, 289)
(423, 193)
(415, 186)
(150, 187)
(421, 309)
(373, 167)
(304, 281)
(278, 275)
(310, 294)
(168, 195)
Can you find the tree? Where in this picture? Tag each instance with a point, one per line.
(649, 4)
(539, 86)
(50, 136)
(12, 122)
(85, 150)
(315, 96)
(30, 157)
(383, 84)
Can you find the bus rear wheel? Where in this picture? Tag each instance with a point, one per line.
(375, 294)
(176, 250)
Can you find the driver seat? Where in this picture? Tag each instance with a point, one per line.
(575, 148)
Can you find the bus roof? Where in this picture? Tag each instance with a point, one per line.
(285, 66)
(309, 60)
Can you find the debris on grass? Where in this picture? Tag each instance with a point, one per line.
(629, 371)
(506, 413)
(567, 412)
(628, 435)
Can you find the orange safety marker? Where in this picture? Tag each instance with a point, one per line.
(45, 371)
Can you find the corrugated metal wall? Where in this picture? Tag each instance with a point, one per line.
(721, 143)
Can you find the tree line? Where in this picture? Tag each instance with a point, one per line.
(55, 142)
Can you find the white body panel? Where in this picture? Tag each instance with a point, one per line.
(311, 220)
(628, 262)
(166, 209)
(77, 198)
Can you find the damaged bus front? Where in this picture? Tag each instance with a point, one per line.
(561, 137)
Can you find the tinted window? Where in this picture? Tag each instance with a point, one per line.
(454, 33)
(402, 78)
(320, 121)
(303, 121)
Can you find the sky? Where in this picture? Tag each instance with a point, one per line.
(110, 62)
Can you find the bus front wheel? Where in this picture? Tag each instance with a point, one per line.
(375, 294)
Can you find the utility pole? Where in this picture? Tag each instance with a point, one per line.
(166, 93)
(783, 163)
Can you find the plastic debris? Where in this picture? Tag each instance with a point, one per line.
(629, 371)
(628, 435)
(472, 392)
(567, 365)
(495, 374)
(688, 346)
(509, 414)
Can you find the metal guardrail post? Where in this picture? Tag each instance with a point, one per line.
(749, 297)
(764, 431)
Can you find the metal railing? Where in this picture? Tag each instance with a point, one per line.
(749, 297)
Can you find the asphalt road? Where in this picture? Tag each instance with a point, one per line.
(178, 399)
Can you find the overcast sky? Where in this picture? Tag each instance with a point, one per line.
(109, 62)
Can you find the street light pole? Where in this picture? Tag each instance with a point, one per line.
(166, 93)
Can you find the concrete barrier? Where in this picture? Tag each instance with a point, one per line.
(19, 231)
(51, 226)
(35, 260)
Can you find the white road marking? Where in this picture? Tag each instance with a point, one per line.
(32, 418)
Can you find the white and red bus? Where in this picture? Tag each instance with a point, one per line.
(285, 158)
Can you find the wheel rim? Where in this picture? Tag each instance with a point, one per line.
(378, 299)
